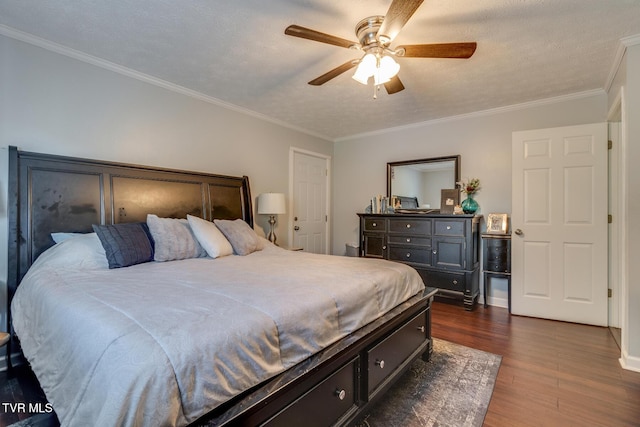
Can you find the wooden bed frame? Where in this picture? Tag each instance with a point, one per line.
(50, 193)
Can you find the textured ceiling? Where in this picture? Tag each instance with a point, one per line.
(236, 52)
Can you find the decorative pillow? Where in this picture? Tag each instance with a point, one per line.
(125, 244)
(173, 239)
(209, 237)
(242, 237)
(83, 251)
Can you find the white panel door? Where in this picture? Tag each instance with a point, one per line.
(559, 218)
(310, 202)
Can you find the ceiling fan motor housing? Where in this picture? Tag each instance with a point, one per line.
(367, 31)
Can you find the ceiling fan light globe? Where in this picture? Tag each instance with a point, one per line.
(388, 67)
(366, 69)
(360, 78)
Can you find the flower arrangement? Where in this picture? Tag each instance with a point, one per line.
(470, 187)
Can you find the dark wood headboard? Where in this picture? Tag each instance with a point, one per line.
(50, 193)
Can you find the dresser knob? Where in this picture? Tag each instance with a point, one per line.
(435, 251)
(448, 227)
(421, 328)
(384, 247)
(341, 394)
(455, 282)
(408, 255)
(380, 363)
(408, 225)
(374, 225)
(408, 240)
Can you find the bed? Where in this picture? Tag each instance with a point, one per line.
(269, 337)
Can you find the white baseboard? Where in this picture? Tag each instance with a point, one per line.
(630, 363)
(498, 302)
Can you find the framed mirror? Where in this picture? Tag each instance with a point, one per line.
(417, 183)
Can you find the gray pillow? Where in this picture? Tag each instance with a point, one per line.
(242, 237)
(125, 244)
(173, 239)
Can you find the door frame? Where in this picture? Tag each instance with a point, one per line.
(618, 238)
(327, 225)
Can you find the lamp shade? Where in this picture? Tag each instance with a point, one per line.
(271, 203)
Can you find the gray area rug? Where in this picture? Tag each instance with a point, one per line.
(453, 389)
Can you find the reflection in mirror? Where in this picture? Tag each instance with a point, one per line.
(417, 183)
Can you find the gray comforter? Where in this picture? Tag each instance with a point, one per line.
(164, 343)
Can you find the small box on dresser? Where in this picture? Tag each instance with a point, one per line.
(444, 249)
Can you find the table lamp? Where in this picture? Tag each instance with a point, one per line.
(271, 204)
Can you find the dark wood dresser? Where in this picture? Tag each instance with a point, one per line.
(444, 249)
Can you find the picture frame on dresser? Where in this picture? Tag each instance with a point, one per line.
(497, 223)
(449, 198)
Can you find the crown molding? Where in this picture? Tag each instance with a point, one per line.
(107, 65)
(623, 44)
(483, 113)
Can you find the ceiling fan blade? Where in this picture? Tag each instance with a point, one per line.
(333, 73)
(309, 34)
(397, 16)
(443, 50)
(394, 85)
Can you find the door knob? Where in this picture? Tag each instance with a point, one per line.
(519, 232)
(296, 228)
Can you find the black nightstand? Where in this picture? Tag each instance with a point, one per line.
(496, 251)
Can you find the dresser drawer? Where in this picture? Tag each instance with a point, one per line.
(324, 404)
(410, 226)
(388, 355)
(449, 281)
(410, 254)
(496, 254)
(448, 227)
(410, 240)
(375, 224)
(498, 266)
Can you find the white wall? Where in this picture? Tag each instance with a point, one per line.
(51, 103)
(483, 140)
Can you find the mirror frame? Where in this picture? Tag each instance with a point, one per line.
(391, 165)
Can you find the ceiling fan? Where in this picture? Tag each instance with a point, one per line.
(375, 35)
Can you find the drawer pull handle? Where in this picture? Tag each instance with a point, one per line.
(421, 329)
(408, 225)
(408, 255)
(341, 394)
(455, 282)
(380, 363)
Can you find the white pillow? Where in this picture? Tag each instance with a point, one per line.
(61, 237)
(173, 239)
(209, 237)
(83, 251)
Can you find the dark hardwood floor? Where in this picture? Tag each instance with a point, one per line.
(552, 373)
